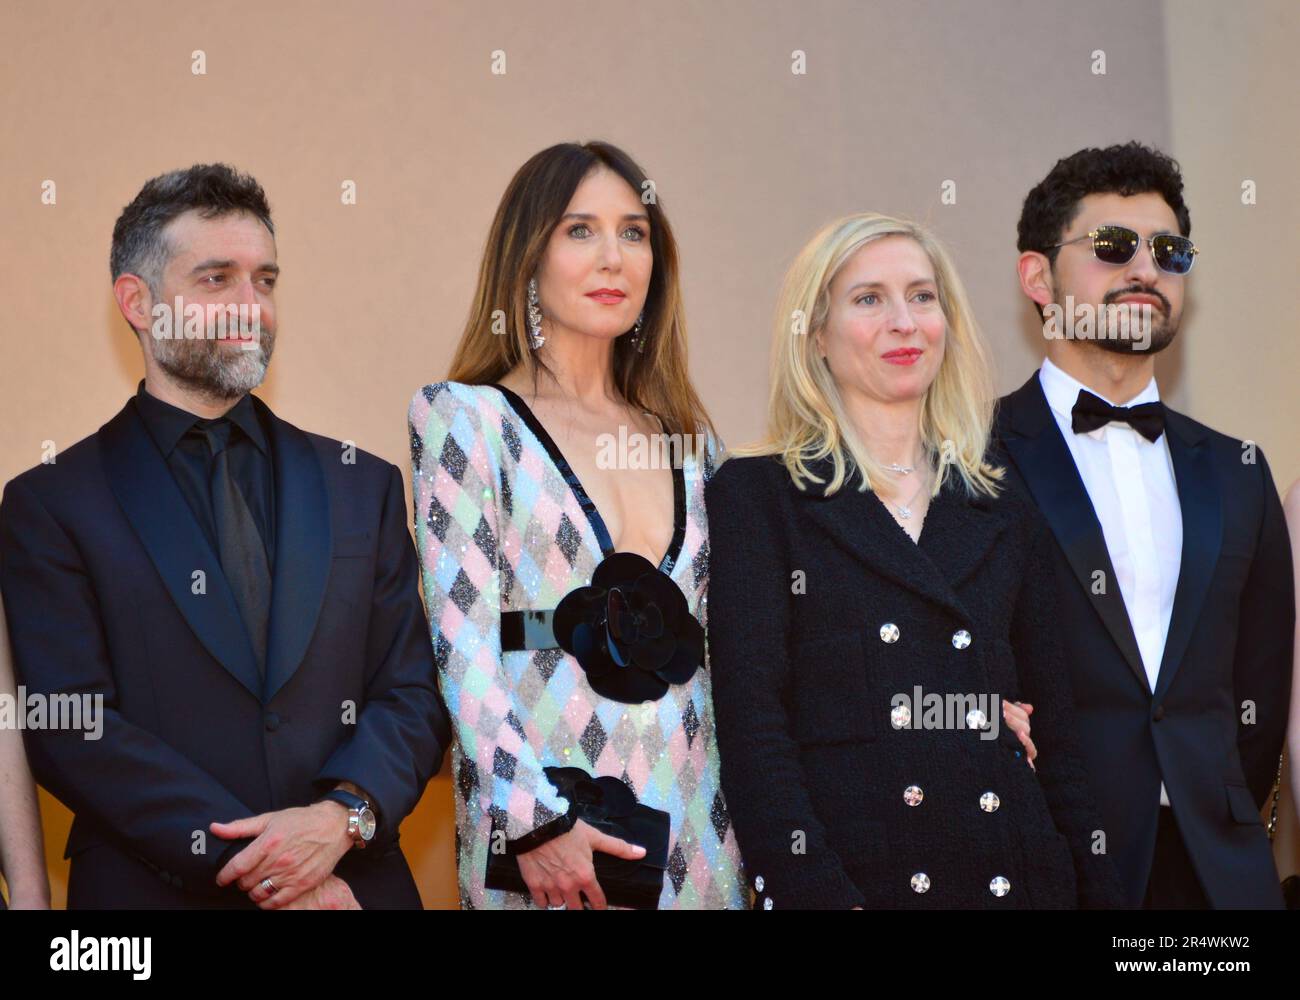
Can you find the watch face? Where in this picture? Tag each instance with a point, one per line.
(366, 824)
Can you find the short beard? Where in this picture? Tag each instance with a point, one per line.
(1162, 334)
(1164, 326)
(214, 371)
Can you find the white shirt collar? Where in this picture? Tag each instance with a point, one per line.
(1062, 391)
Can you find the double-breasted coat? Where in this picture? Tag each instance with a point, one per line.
(857, 684)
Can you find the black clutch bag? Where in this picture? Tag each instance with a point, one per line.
(611, 807)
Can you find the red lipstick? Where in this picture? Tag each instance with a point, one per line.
(902, 356)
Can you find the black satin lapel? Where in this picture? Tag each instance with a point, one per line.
(1047, 467)
(304, 549)
(162, 519)
(1198, 496)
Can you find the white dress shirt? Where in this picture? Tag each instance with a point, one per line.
(1131, 484)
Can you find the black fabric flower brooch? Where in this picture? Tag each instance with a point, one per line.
(631, 630)
(595, 800)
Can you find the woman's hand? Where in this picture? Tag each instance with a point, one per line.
(561, 871)
(1016, 715)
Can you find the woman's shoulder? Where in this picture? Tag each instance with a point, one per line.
(1016, 506)
(466, 420)
(451, 400)
(749, 472)
(1009, 494)
(704, 450)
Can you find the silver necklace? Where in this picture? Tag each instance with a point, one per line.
(905, 509)
(902, 469)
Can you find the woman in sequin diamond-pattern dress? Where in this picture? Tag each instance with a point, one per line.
(503, 455)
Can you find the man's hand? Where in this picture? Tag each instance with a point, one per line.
(1016, 714)
(296, 849)
(332, 894)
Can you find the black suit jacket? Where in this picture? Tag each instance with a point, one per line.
(813, 770)
(1230, 642)
(112, 589)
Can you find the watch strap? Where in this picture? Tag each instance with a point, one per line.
(348, 799)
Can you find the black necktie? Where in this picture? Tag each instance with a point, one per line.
(1091, 412)
(239, 543)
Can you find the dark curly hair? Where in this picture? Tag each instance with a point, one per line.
(215, 189)
(1127, 169)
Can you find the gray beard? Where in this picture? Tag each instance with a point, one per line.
(211, 369)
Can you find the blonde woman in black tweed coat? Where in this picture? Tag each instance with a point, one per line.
(876, 593)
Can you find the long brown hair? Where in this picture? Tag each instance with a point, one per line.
(495, 338)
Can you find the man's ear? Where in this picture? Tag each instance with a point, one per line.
(1036, 279)
(135, 301)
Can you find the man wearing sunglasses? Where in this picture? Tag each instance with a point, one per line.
(1176, 597)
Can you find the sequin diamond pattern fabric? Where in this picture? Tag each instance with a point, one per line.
(498, 528)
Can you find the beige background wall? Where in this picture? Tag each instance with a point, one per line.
(748, 158)
(1233, 71)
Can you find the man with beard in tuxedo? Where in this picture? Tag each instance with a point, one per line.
(1176, 591)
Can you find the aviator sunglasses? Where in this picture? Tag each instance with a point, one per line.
(1118, 244)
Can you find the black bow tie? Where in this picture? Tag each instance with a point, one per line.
(1091, 412)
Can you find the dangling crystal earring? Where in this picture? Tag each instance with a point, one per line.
(638, 341)
(534, 316)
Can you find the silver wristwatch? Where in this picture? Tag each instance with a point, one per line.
(361, 818)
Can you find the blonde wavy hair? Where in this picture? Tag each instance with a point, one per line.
(807, 420)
